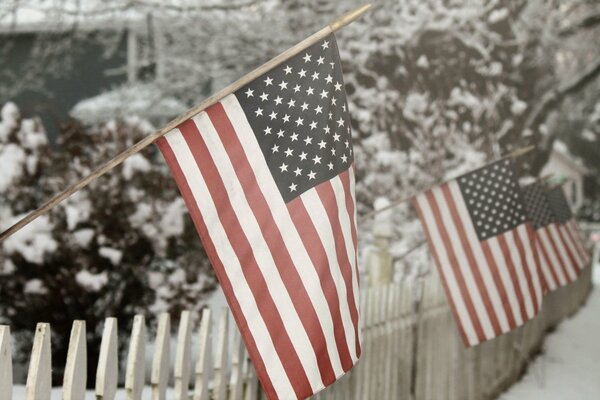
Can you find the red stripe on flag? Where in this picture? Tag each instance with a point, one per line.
(577, 241)
(512, 272)
(243, 251)
(559, 256)
(327, 196)
(485, 247)
(345, 178)
(474, 266)
(277, 247)
(432, 246)
(549, 263)
(466, 295)
(209, 247)
(536, 259)
(562, 234)
(318, 255)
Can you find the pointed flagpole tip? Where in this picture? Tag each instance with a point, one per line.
(349, 17)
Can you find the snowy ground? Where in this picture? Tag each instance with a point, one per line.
(569, 367)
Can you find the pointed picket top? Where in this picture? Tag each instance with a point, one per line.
(108, 362)
(39, 377)
(75, 377)
(183, 360)
(159, 377)
(220, 380)
(6, 378)
(134, 373)
(203, 364)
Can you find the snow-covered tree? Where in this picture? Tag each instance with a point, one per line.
(124, 245)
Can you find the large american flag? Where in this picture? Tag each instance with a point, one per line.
(482, 241)
(568, 228)
(556, 257)
(267, 175)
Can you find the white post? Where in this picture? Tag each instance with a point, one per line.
(39, 377)
(159, 377)
(134, 374)
(203, 364)
(183, 360)
(379, 261)
(108, 362)
(6, 378)
(75, 378)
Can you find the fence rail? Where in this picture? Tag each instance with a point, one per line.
(411, 350)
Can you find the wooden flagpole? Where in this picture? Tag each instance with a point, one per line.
(148, 140)
(514, 154)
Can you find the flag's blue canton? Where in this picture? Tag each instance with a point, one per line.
(299, 114)
(493, 198)
(538, 206)
(559, 205)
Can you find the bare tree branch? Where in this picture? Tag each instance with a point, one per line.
(589, 22)
(554, 98)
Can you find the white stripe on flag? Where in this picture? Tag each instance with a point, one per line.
(503, 271)
(446, 270)
(552, 284)
(340, 198)
(484, 267)
(291, 237)
(562, 251)
(570, 239)
(519, 264)
(317, 213)
(555, 261)
(530, 263)
(231, 264)
(261, 251)
(474, 291)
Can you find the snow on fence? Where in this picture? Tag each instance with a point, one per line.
(411, 350)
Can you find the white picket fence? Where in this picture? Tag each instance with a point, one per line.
(411, 350)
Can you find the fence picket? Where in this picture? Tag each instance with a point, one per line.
(39, 376)
(251, 389)
(204, 356)
(236, 381)
(6, 377)
(183, 360)
(108, 362)
(159, 376)
(220, 376)
(134, 372)
(435, 363)
(75, 377)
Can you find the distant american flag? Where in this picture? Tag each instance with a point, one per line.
(558, 267)
(267, 175)
(482, 242)
(567, 226)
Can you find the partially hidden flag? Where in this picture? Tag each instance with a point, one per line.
(568, 228)
(267, 175)
(482, 242)
(557, 260)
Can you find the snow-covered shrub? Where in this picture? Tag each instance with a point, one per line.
(124, 245)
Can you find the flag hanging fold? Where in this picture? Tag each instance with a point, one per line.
(568, 228)
(267, 175)
(557, 261)
(482, 241)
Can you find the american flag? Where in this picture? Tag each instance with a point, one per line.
(568, 228)
(267, 175)
(557, 266)
(482, 241)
